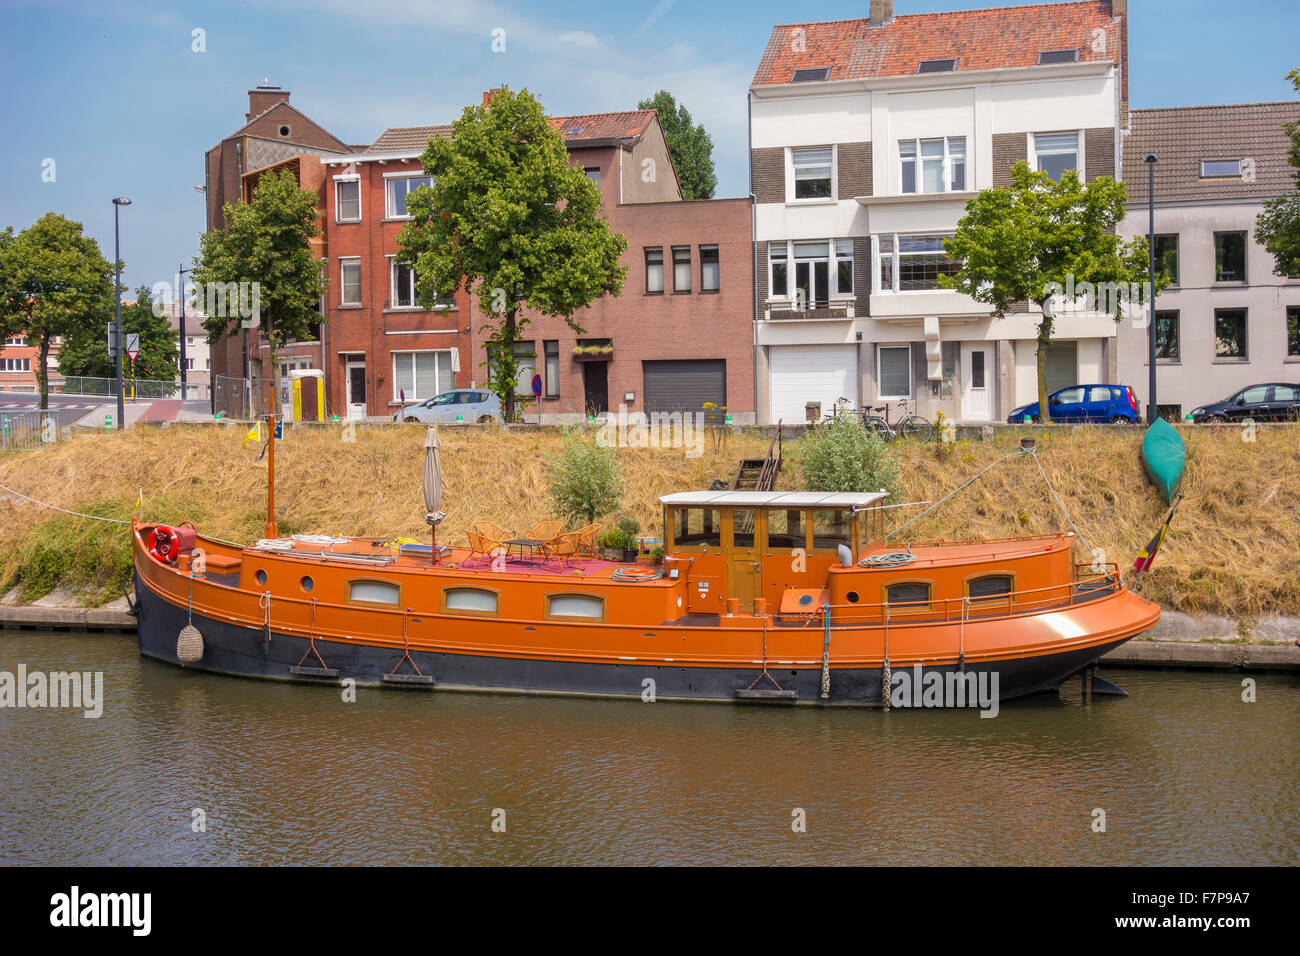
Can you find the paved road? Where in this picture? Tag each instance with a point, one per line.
(66, 408)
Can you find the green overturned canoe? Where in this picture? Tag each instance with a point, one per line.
(1164, 455)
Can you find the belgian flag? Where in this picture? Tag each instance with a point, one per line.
(1148, 554)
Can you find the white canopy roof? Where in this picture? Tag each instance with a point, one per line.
(773, 499)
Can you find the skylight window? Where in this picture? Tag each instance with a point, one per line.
(1048, 57)
(1220, 169)
(577, 130)
(937, 66)
(815, 73)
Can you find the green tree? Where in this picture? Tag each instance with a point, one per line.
(586, 480)
(1035, 238)
(53, 282)
(267, 243)
(85, 350)
(689, 144)
(509, 216)
(844, 455)
(1277, 228)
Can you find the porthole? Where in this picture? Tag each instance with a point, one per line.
(307, 583)
(261, 576)
(284, 131)
(852, 596)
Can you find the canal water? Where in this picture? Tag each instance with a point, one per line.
(191, 768)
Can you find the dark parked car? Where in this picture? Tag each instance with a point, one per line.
(1085, 403)
(1273, 401)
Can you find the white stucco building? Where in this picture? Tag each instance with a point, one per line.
(867, 139)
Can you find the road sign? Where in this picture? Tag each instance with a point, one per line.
(133, 345)
(537, 385)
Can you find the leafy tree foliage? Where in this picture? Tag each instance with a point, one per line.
(689, 144)
(85, 350)
(1277, 228)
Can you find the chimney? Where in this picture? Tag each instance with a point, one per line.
(487, 97)
(882, 11)
(263, 98)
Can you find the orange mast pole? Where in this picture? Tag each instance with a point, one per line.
(271, 530)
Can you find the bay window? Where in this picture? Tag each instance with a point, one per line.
(913, 263)
(933, 165)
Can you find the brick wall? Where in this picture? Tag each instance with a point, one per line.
(854, 168)
(769, 174)
(1099, 152)
(1008, 149)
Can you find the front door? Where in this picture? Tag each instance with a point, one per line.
(356, 382)
(595, 386)
(977, 392)
(740, 549)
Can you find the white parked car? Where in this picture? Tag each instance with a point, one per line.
(460, 406)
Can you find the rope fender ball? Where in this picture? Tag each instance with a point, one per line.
(189, 645)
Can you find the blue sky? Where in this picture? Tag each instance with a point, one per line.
(113, 93)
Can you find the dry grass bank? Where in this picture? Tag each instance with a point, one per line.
(1233, 550)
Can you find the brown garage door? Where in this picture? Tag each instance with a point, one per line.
(684, 385)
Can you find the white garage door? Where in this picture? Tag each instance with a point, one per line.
(811, 373)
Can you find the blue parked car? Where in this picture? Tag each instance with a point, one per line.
(1085, 403)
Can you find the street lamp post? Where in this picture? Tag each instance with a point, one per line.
(1151, 160)
(118, 203)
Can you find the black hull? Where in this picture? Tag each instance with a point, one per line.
(240, 651)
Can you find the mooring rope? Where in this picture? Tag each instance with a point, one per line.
(46, 504)
(826, 653)
(885, 677)
(264, 602)
(950, 494)
(1033, 454)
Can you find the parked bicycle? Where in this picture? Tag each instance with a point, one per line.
(909, 426)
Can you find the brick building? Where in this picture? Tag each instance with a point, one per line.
(672, 347)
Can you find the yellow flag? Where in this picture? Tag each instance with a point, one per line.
(139, 499)
(254, 434)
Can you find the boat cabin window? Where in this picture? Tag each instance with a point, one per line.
(830, 529)
(742, 529)
(587, 606)
(786, 529)
(697, 527)
(908, 595)
(470, 600)
(989, 586)
(374, 592)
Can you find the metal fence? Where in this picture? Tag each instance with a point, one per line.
(139, 388)
(23, 431)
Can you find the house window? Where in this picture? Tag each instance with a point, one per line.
(1229, 257)
(812, 173)
(777, 256)
(887, 263)
(843, 266)
(1167, 257)
(1056, 152)
(1220, 169)
(421, 375)
(20, 340)
(403, 286)
(593, 175)
(921, 260)
(812, 274)
(1293, 331)
(18, 365)
(894, 371)
(681, 268)
(1230, 333)
(552, 350)
(1048, 57)
(526, 357)
(708, 268)
(942, 164)
(1167, 336)
(349, 282)
(348, 200)
(399, 187)
(654, 270)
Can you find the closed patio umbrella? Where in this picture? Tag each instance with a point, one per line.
(432, 487)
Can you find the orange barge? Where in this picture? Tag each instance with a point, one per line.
(777, 596)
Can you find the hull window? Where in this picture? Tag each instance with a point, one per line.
(909, 595)
(575, 605)
(989, 586)
(374, 592)
(472, 600)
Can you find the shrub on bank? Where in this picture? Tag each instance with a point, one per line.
(845, 455)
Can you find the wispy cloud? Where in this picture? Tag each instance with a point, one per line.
(660, 8)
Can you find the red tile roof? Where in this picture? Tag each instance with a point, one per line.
(575, 130)
(979, 40)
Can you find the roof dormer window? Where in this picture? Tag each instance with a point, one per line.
(1220, 169)
(1049, 57)
(811, 74)
(937, 66)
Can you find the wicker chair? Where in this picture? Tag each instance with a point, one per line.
(545, 531)
(489, 530)
(482, 546)
(565, 547)
(587, 541)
